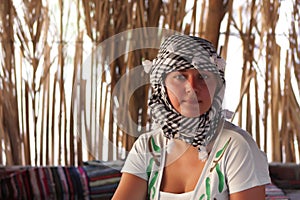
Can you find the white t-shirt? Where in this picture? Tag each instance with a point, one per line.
(172, 196)
(235, 163)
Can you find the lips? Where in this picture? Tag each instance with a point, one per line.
(191, 101)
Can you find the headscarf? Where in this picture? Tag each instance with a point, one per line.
(181, 52)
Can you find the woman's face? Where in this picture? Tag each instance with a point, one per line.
(191, 91)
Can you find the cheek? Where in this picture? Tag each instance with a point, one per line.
(211, 89)
(208, 93)
(211, 93)
(173, 95)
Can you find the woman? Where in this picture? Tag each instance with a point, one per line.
(194, 153)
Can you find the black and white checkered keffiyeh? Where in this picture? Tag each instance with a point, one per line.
(179, 52)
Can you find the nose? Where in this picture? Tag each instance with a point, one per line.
(192, 85)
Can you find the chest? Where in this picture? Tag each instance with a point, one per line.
(182, 174)
(182, 171)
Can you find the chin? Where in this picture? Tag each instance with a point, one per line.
(192, 112)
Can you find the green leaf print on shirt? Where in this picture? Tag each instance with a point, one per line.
(202, 197)
(207, 185)
(221, 152)
(153, 160)
(218, 157)
(221, 176)
(151, 185)
(149, 167)
(156, 148)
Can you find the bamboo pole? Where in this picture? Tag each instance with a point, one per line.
(202, 19)
(9, 106)
(53, 122)
(2, 132)
(47, 88)
(77, 63)
(257, 113)
(227, 32)
(28, 142)
(216, 12)
(42, 101)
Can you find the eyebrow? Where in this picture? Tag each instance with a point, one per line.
(185, 70)
(199, 71)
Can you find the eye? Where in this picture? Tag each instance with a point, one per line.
(179, 77)
(204, 76)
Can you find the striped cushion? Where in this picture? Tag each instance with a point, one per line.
(45, 183)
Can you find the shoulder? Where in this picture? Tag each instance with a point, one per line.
(147, 145)
(156, 133)
(239, 145)
(146, 149)
(237, 135)
(244, 164)
(153, 140)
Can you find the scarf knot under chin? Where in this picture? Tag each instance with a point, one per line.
(194, 130)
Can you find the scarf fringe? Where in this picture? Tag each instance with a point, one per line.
(170, 146)
(203, 154)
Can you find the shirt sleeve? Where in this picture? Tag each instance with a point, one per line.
(247, 165)
(136, 160)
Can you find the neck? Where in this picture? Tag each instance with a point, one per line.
(179, 148)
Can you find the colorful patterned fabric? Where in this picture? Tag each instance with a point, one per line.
(103, 178)
(94, 180)
(45, 183)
